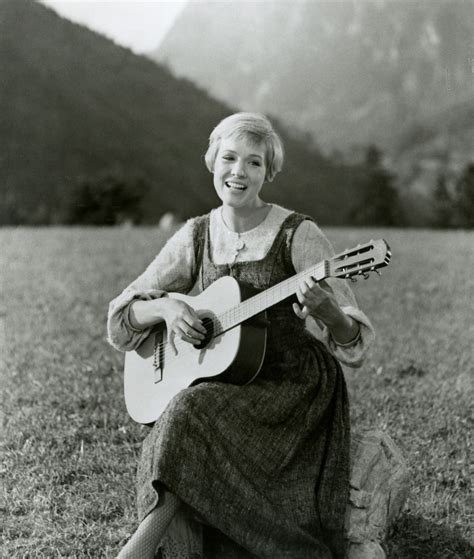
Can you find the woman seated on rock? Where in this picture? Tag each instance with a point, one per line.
(266, 464)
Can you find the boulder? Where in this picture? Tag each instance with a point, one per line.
(378, 491)
(368, 550)
(168, 222)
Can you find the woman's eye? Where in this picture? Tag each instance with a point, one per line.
(228, 157)
(256, 163)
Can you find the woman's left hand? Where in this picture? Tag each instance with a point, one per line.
(317, 300)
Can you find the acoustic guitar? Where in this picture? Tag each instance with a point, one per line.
(234, 347)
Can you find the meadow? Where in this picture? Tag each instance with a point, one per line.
(69, 450)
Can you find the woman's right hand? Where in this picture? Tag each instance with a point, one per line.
(182, 321)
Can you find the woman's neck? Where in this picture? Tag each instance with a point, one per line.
(240, 220)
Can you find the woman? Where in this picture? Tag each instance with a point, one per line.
(265, 464)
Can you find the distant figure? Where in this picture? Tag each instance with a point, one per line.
(168, 222)
(264, 466)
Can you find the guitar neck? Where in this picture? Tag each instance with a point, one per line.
(266, 299)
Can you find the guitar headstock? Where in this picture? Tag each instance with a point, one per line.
(360, 260)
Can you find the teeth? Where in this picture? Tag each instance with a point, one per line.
(236, 185)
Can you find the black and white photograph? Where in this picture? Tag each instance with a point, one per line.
(236, 279)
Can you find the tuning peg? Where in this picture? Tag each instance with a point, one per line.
(353, 279)
(366, 275)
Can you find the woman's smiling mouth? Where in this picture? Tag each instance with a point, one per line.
(235, 186)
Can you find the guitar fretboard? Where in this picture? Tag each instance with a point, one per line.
(266, 299)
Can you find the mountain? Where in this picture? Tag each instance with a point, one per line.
(74, 104)
(349, 72)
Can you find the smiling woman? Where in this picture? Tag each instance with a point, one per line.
(265, 464)
(239, 172)
(244, 152)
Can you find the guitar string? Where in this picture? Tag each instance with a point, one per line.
(235, 314)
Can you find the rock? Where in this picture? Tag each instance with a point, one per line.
(168, 222)
(369, 550)
(379, 488)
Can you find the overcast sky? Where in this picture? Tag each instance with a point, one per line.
(137, 24)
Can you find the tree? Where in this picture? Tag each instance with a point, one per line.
(108, 200)
(444, 204)
(379, 202)
(465, 197)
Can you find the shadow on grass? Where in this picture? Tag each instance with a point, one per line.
(414, 537)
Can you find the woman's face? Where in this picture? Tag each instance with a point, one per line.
(239, 172)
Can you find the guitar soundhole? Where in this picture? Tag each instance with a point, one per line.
(208, 323)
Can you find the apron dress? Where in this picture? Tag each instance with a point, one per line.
(265, 466)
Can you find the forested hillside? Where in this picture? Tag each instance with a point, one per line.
(76, 106)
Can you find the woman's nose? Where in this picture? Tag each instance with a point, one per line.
(238, 169)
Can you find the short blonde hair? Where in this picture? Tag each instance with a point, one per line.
(254, 127)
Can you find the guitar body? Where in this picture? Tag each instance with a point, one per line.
(235, 356)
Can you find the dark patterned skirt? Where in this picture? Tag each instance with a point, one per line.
(264, 465)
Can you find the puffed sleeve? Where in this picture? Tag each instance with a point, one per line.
(309, 247)
(172, 270)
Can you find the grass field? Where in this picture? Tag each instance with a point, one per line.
(69, 450)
